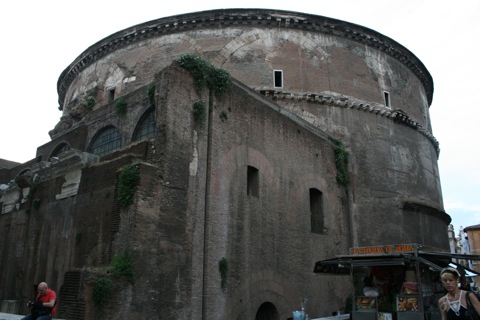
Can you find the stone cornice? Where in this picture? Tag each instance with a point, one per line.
(424, 208)
(396, 115)
(244, 17)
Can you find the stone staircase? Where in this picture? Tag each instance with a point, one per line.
(70, 305)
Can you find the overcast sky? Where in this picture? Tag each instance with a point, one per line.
(41, 38)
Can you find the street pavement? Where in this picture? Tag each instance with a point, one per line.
(9, 316)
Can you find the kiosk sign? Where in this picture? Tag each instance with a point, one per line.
(387, 249)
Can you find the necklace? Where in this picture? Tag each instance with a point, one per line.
(455, 305)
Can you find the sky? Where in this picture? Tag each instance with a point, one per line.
(41, 38)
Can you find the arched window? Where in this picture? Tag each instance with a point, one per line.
(146, 126)
(106, 141)
(25, 172)
(267, 311)
(59, 149)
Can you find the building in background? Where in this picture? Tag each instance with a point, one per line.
(471, 237)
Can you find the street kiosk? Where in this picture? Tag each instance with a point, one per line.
(395, 282)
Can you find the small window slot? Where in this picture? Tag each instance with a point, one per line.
(252, 181)
(278, 78)
(386, 95)
(111, 94)
(316, 211)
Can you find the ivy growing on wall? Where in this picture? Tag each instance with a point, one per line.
(205, 74)
(199, 111)
(341, 161)
(127, 184)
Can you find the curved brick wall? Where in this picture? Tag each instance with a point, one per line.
(335, 75)
(315, 53)
(193, 207)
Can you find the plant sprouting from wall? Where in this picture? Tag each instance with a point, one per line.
(122, 267)
(121, 106)
(341, 161)
(205, 74)
(151, 92)
(127, 184)
(86, 103)
(102, 289)
(219, 80)
(223, 268)
(199, 111)
(90, 101)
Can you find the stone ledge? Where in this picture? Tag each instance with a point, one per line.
(397, 115)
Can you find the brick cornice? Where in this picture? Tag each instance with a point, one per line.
(243, 17)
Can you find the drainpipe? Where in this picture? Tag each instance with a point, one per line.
(207, 204)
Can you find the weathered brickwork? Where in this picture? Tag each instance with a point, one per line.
(242, 187)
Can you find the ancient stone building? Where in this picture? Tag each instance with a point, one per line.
(235, 195)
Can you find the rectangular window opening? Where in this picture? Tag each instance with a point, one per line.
(387, 99)
(278, 78)
(316, 211)
(111, 94)
(252, 181)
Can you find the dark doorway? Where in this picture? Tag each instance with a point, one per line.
(267, 311)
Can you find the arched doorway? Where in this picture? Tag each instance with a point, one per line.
(267, 311)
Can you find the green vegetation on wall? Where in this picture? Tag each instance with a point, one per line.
(121, 268)
(205, 74)
(151, 93)
(121, 106)
(127, 184)
(341, 161)
(90, 101)
(199, 111)
(87, 103)
(102, 289)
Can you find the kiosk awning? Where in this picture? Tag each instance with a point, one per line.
(343, 264)
(436, 260)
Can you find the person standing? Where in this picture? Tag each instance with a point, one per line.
(44, 306)
(454, 304)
